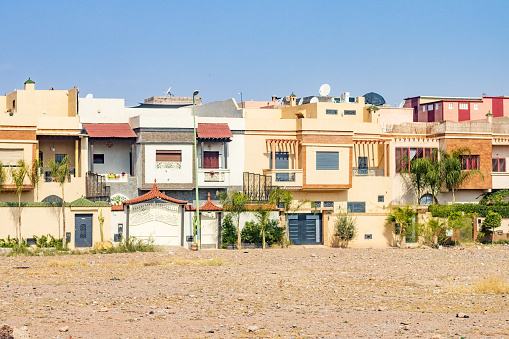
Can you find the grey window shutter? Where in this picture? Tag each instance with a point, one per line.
(327, 160)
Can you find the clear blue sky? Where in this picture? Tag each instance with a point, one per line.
(134, 49)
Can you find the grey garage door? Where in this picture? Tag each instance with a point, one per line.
(83, 230)
(305, 228)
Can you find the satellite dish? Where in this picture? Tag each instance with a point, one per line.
(324, 90)
(300, 102)
(313, 100)
(402, 104)
(168, 91)
(89, 96)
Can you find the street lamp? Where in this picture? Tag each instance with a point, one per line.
(198, 225)
(241, 99)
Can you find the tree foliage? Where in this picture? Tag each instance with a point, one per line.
(61, 172)
(493, 220)
(18, 174)
(235, 203)
(345, 227)
(405, 217)
(228, 231)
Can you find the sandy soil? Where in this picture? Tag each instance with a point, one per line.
(312, 292)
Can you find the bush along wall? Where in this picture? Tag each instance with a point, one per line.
(443, 211)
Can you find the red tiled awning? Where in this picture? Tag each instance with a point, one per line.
(207, 206)
(153, 194)
(109, 130)
(213, 131)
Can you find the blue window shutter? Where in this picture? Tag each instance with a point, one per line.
(327, 160)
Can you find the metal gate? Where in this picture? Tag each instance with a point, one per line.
(83, 230)
(305, 228)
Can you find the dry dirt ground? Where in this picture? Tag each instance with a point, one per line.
(312, 292)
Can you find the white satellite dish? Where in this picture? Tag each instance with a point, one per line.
(324, 90)
(313, 100)
(168, 91)
(89, 96)
(402, 104)
(300, 102)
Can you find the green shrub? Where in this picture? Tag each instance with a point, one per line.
(502, 241)
(48, 241)
(274, 234)
(251, 233)
(133, 244)
(11, 242)
(228, 231)
(444, 211)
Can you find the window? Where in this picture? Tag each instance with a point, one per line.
(451, 105)
(13, 104)
(430, 107)
(10, 156)
(168, 159)
(328, 204)
(168, 156)
(318, 204)
(424, 108)
(356, 207)
(368, 236)
(59, 157)
(498, 164)
(331, 111)
(350, 112)
(381, 198)
(210, 159)
(406, 154)
(282, 160)
(469, 162)
(98, 158)
(476, 107)
(463, 106)
(327, 161)
(436, 106)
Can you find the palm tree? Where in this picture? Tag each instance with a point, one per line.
(417, 175)
(454, 175)
(435, 176)
(235, 203)
(3, 176)
(61, 171)
(405, 217)
(262, 213)
(34, 175)
(18, 175)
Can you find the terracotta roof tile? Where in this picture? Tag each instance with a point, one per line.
(109, 130)
(208, 206)
(117, 207)
(213, 131)
(152, 194)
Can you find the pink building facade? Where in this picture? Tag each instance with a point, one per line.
(431, 109)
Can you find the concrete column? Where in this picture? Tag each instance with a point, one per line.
(386, 159)
(296, 148)
(91, 156)
(201, 146)
(225, 155)
(76, 158)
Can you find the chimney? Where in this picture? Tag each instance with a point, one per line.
(29, 85)
(293, 100)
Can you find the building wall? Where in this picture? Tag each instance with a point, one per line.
(116, 157)
(182, 175)
(382, 234)
(48, 220)
(341, 176)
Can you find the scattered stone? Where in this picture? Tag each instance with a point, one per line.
(313, 255)
(436, 336)
(151, 312)
(252, 328)
(462, 315)
(406, 327)
(211, 331)
(64, 329)
(6, 331)
(241, 297)
(104, 309)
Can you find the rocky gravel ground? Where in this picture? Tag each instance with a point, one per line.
(300, 292)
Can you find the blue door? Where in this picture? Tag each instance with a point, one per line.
(305, 228)
(83, 230)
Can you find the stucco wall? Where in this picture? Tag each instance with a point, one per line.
(48, 220)
(116, 157)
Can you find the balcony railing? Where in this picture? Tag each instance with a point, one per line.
(365, 172)
(285, 177)
(289, 178)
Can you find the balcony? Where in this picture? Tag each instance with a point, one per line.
(213, 177)
(499, 180)
(288, 178)
(116, 177)
(365, 172)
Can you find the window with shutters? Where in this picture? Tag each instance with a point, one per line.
(210, 159)
(463, 106)
(331, 111)
(10, 157)
(328, 204)
(451, 105)
(169, 159)
(327, 161)
(356, 207)
(406, 154)
(282, 160)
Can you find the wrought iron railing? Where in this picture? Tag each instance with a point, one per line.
(257, 186)
(97, 190)
(285, 177)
